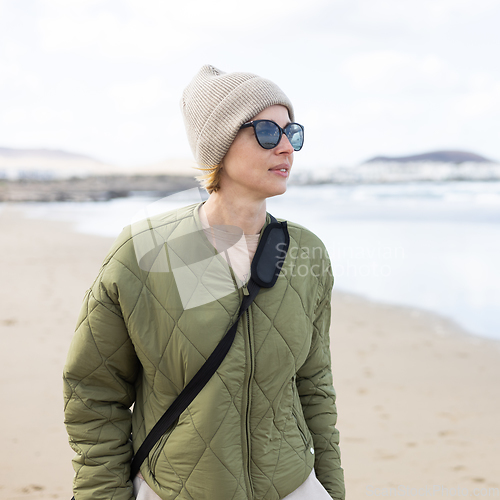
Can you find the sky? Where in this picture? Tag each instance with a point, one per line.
(367, 77)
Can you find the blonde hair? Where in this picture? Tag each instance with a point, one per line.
(210, 178)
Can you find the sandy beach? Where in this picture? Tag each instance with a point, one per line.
(418, 398)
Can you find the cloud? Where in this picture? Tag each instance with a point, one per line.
(35, 126)
(154, 30)
(8, 72)
(395, 71)
(478, 103)
(414, 15)
(135, 97)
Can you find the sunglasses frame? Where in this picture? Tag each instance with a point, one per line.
(281, 130)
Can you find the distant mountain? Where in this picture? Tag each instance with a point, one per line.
(51, 154)
(435, 156)
(43, 164)
(49, 164)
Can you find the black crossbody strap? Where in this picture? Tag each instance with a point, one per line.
(274, 236)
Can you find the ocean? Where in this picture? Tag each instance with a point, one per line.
(428, 245)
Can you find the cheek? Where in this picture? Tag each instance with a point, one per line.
(239, 151)
(245, 156)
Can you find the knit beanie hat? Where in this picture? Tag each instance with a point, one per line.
(216, 104)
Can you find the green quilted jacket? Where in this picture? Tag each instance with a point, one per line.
(160, 304)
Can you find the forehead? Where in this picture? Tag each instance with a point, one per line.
(276, 113)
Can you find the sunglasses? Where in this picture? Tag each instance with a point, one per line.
(268, 133)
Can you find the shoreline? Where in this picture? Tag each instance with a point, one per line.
(442, 325)
(418, 397)
(93, 188)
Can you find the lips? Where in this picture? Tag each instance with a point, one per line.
(282, 169)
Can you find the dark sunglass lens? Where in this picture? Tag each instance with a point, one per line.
(295, 134)
(267, 134)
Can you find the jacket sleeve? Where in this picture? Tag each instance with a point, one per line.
(99, 377)
(317, 395)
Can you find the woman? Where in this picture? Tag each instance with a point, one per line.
(264, 425)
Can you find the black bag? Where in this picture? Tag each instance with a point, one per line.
(265, 269)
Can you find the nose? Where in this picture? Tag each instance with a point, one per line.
(284, 146)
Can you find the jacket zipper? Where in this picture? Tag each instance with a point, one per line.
(248, 403)
(247, 409)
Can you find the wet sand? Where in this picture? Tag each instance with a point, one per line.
(418, 398)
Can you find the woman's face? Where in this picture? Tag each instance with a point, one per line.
(252, 171)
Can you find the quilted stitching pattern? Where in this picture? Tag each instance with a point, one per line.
(279, 364)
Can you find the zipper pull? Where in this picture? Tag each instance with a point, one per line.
(245, 290)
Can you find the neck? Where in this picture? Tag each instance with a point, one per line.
(249, 215)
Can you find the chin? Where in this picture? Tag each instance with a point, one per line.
(277, 192)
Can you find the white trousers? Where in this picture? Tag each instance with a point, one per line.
(309, 490)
